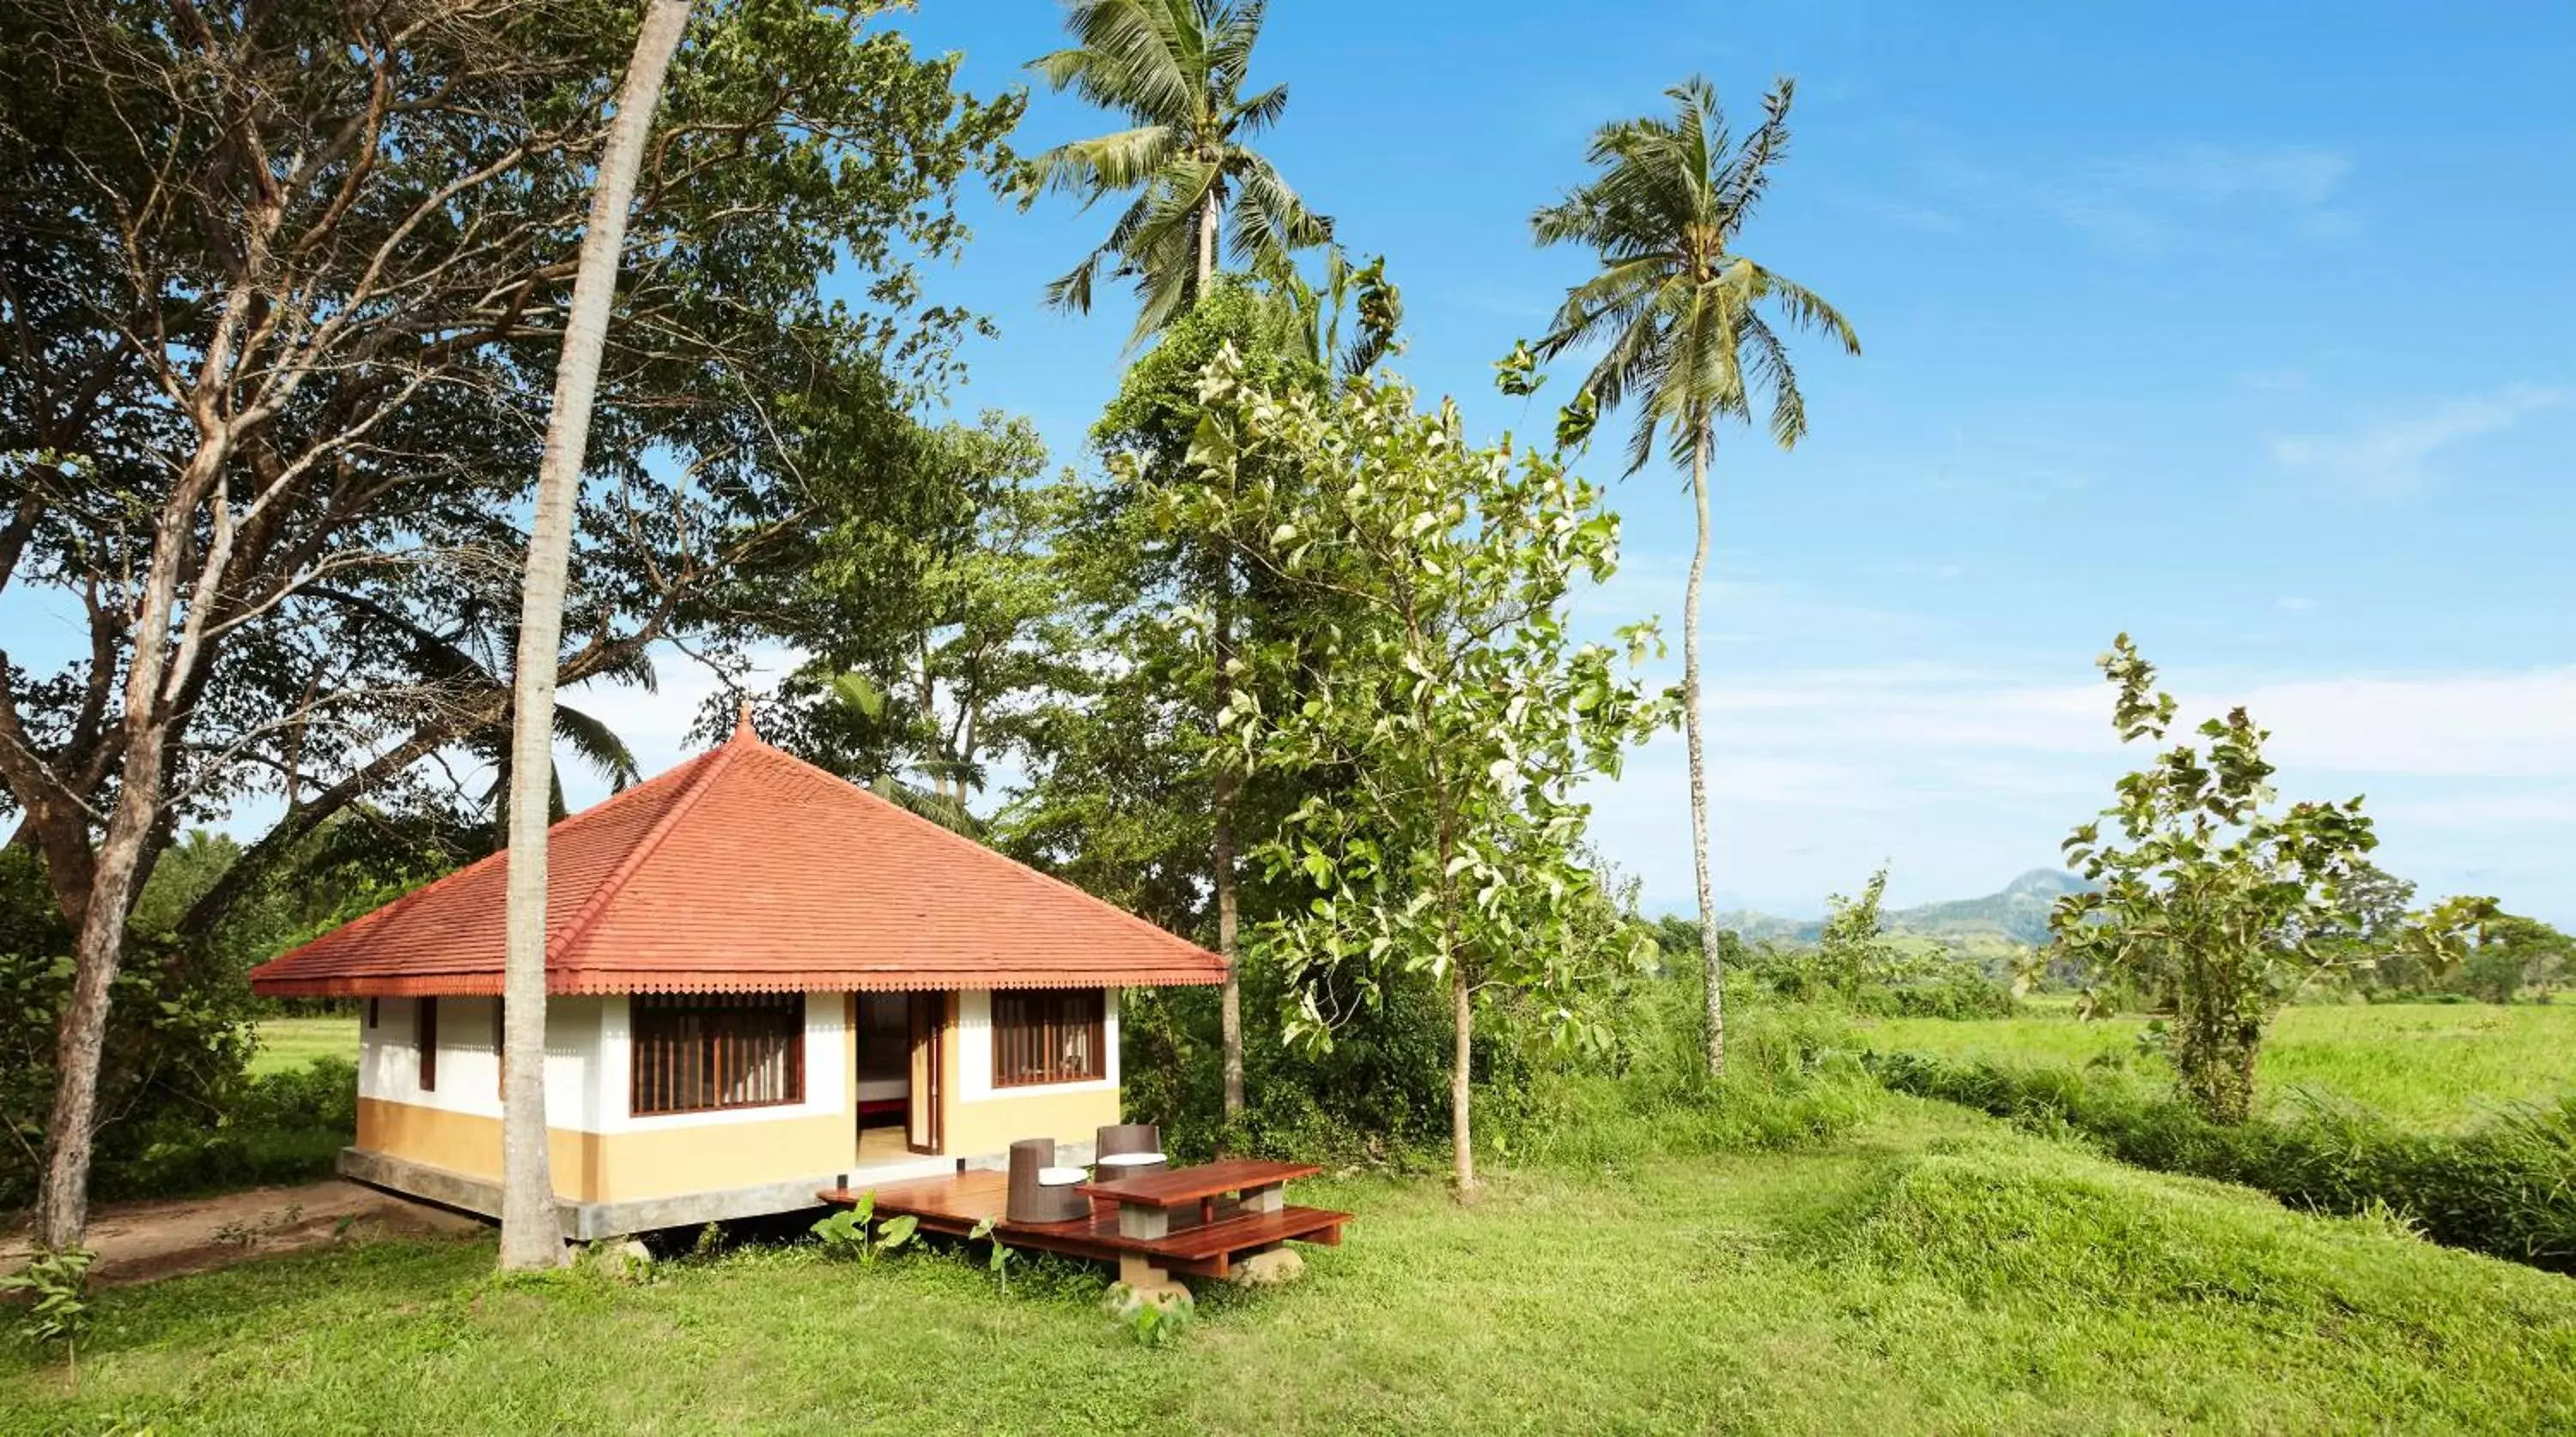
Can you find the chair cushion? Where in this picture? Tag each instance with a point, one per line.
(1060, 1177)
(1130, 1160)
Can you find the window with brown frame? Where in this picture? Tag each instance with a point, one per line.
(703, 1052)
(1051, 1037)
(427, 1037)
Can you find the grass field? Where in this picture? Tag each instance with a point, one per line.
(2427, 1065)
(289, 1043)
(1931, 1273)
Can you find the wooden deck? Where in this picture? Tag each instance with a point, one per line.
(1201, 1244)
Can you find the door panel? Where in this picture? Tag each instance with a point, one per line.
(924, 1132)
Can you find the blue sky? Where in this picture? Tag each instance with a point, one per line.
(2245, 329)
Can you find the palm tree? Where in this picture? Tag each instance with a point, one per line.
(530, 1237)
(1687, 324)
(1177, 68)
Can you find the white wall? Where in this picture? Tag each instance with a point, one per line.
(469, 1057)
(588, 1061)
(975, 1053)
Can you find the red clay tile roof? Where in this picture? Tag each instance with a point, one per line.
(746, 869)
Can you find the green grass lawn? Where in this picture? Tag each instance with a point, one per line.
(289, 1043)
(1932, 1272)
(2431, 1065)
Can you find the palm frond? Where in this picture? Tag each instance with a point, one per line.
(1674, 311)
(1100, 165)
(1177, 67)
(1132, 59)
(1746, 175)
(596, 744)
(939, 808)
(1259, 113)
(1269, 221)
(1808, 310)
(1768, 365)
(1231, 31)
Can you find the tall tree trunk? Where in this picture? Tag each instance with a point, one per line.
(1708, 945)
(1462, 1146)
(1228, 918)
(530, 1236)
(62, 1201)
(1228, 944)
(1207, 247)
(1462, 1007)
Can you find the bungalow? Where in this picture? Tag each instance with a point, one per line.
(761, 981)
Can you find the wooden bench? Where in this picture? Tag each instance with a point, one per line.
(1203, 1236)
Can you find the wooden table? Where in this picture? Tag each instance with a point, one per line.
(1147, 1200)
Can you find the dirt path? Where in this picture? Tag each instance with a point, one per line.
(141, 1241)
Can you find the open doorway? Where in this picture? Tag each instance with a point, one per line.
(884, 1031)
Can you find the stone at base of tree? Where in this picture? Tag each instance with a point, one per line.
(1274, 1268)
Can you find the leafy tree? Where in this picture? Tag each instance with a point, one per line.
(1684, 323)
(530, 1236)
(1854, 951)
(1173, 603)
(280, 286)
(1176, 67)
(942, 618)
(2208, 884)
(1448, 689)
(2368, 935)
(2491, 954)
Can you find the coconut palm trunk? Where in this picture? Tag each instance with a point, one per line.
(1686, 325)
(530, 1235)
(1692, 742)
(1228, 915)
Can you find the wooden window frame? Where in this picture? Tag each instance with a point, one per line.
(424, 1035)
(660, 1064)
(1029, 1029)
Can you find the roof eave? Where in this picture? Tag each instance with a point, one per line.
(608, 983)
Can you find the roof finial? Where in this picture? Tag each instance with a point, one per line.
(742, 722)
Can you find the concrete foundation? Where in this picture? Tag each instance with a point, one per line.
(591, 1221)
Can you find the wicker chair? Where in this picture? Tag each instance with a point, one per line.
(1125, 1149)
(1040, 1191)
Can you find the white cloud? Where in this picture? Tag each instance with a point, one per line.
(2186, 196)
(2296, 175)
(1963, 778)
(2391, 458)
(2510, 725)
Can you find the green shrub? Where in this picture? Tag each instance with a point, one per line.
(1955, 995)
(253, 1131)
(2507, 1187)
(1793, 1078)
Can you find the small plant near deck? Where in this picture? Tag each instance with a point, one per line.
(1155, 1320)
(852, 1234)
(1000, 1261)
(58, 1312)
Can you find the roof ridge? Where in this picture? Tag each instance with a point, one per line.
(600, 897)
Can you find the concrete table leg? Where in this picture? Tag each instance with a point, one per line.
(1143, 1222)
(1270, 1197)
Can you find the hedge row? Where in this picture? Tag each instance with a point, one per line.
(2506, 1187)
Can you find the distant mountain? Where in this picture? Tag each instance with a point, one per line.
(2017, 914)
